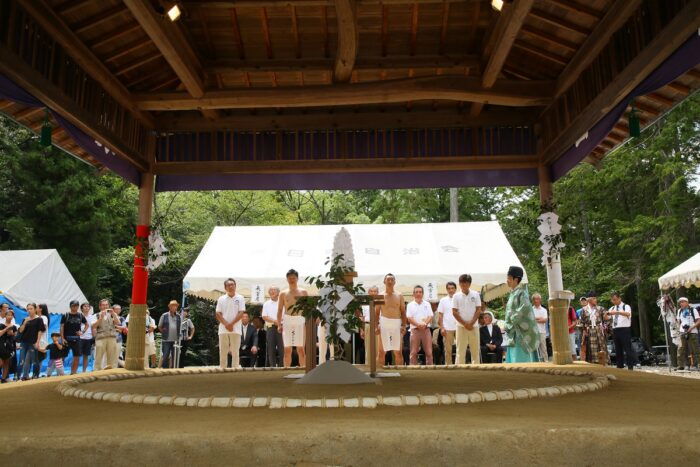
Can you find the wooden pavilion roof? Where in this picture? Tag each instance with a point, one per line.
(341, 86)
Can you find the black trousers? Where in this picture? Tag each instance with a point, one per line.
(623, 347)
(184, 345)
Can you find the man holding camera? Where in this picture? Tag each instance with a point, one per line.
(689, 320)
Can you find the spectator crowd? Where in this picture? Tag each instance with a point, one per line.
(457, 328)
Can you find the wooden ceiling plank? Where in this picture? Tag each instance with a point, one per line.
(385, 30)
(110, 36)
(659, 49)
(98, 19)
(134, 64)
(614, 19)
(540, 52)
(456, 88)
(346, 54)
(578, 8)
(128, 49)
(544, 35)
(83, 56)
(559, 22)
(324, 30)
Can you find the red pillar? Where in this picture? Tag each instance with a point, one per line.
(136, 343)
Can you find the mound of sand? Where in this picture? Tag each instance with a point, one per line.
(335, 372)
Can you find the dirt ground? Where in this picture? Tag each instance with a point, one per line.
(641, 419)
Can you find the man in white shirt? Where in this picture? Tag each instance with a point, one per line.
(447, 321)
(622, 332)
(366, 332)
(689, 321)
(274, 350)
(466, 308)
(229, 311)
(87, 341)
(541, 317)
(419, 315)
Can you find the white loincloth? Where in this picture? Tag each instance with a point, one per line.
(293, 331)
(390, 330)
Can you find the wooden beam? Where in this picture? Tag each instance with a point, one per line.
(110, 36)
(324, 30)
(138, 62)
(456, 88)
(444, 26)
(385, 30)
(393, 164)
(347, 40)
(364, 64)
(83, 56)
(295, 32)
(614, 19)
(44, 90)
(173, 46)
(503, 37)
(304, 3)
(540, 53)
(128, 49)
(343, 120)
(265, 28)
(414, 28)
(512, 19)
(659, 49)
(237, 34)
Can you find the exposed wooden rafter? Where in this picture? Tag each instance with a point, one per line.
(456, 88)
(173, 46)
(44, 90)
(83, 56)
(664, 43)
(506, 30)
(613, 20)
(346, 53)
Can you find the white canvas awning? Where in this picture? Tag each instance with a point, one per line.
(686, 274)
(38, 276)
(414, 253)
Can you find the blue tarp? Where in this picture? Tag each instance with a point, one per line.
(54, 326)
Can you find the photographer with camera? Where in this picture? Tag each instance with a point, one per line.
(689, 320)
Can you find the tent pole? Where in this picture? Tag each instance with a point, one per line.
(136, 346)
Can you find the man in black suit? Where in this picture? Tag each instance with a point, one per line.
(249, 342)
(491, 340)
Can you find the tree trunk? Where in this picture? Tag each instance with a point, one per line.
(644, 329)
(454, 206)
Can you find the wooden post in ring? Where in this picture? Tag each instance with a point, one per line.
(310, 345)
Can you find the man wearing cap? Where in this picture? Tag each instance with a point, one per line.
(523, 334)
(71, 325)
(594, 343)
(689, 321)
(169, 324)
(186, 335)
(491, 339)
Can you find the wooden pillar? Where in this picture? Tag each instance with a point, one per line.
(136, 344)
(558, 298)
(310, 345)
(372, 339)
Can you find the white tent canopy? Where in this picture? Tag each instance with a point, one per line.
(414, 253)
(686, 274)
(38, 276)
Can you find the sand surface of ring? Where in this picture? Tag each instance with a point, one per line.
(263, 384)
(641, 419)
